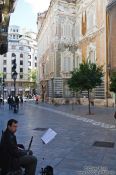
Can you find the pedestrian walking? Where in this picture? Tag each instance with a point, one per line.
(9, 102)
(21, 99)
(17, 102)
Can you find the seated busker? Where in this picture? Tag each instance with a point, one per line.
(14, 156)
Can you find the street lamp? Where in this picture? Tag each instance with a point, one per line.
(14, 73)
(14, 77)
(107, 83)
(3, 85)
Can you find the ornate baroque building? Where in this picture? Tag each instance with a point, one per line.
(70, 32)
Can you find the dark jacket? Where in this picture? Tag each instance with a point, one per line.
(10, 153)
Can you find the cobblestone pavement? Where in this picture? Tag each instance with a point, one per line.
(72, 151)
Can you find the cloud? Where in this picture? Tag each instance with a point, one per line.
(39, 5)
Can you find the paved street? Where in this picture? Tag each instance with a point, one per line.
(72, 151)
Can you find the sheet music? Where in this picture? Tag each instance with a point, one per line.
(48, 136)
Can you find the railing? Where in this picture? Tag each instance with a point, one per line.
(65, 75)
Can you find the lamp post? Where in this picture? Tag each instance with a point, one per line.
(107, 83)
(14, 77)
(14, 74)
(3, 85)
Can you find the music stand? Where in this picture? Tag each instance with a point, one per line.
(46, 138)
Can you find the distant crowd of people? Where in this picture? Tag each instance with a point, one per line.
(13, 102)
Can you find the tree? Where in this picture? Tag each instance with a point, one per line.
(1, 77)
(113, 84)
(32, 76)
(86, 77)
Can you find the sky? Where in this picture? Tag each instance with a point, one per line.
(25, 14)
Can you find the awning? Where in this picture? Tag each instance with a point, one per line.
(27, 89)
(20, 89)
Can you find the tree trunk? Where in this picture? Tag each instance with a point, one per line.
(89, 105)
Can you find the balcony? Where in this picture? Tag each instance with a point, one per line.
(65, 75)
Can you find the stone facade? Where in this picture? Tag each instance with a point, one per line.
(111, 13)
(69, 33)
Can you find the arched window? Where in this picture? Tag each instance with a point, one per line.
(92, 56)
(91, 19)
(91, 53)
(77, 31)
(68, 64)
(78, 59)
(67, 31)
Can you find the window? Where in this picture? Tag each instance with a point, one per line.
(12, 61)
(77, 31)
(13, 30)
(29, 56)
(91, 53)
(35, 64)
(21, 48)
(13, 36)
(13, 55)
(21, 62)
(21, 76)
(92, 56)
(4, 69)
(21, 55)
(13, 47)
(91, 19)
(5, 55)
(21, 69)
(35, 58)
(29, 63)
(4, 62)
(29, 48)
(67, 64)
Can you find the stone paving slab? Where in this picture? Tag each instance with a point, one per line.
(102, 114)
(87, 119)
(71, 152)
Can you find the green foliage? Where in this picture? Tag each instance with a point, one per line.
(32, 75)
(1, 74)
(113, 82)
(86, 77)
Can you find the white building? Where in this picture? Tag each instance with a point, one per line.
(23, 47)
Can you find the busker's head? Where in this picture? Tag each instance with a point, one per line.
(12, 125)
